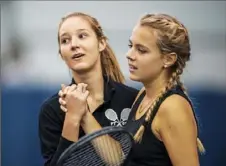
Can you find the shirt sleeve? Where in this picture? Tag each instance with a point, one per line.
(50, 129)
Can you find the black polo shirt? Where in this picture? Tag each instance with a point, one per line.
(118, 99)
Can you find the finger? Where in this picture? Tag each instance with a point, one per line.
(61, 94)
(86, 93)
(66, 90)
(63, 108)
(63, 87)
(71, 88)
(79, 87)
(61, 101)
(84, 87)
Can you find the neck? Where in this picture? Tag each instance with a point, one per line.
(154, 87)
(95, 81)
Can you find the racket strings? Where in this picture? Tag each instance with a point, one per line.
(106, 150)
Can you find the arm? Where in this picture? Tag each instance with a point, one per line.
(51, 142)
(178, 131)
(76, 104)
(55, 137)
(107, 147)
(89, 123)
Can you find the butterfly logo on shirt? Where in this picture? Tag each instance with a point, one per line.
(115, 120)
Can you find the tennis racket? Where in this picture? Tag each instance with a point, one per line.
(109, 146)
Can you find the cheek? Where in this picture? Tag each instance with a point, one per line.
(92, 49)
(64, 52)
(149, 61)
(151, 65)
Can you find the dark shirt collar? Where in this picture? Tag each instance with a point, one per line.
(109, 88)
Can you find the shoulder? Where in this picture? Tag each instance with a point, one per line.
(51, 101)
(123, 88)
(176, 111)
(50, 107)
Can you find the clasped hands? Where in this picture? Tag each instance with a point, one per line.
(73, 99)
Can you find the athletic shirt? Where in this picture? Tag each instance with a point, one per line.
(150, 151)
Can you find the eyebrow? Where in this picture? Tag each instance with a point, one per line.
(138, 45)
(63, 34)
(79, 30)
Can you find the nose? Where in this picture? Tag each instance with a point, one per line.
(130, 56)
(74, 43)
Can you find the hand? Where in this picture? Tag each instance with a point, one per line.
(73, 99)
(62, 94)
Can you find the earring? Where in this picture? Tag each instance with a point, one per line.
(165, 66)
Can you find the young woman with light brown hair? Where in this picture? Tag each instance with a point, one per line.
(162, 118)
(97, 84)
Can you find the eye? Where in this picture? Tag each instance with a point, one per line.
(65, 40)
(82, 35)
(141, 50)
(130, 45)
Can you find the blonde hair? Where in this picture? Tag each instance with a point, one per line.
(172, 37)
(109, 63)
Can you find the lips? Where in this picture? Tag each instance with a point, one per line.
(132, 68)
(77, 56)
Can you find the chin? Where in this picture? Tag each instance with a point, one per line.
(81, 68)
(134, 78)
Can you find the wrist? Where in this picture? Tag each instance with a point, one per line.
(86, 118)
(71, 118)
(71, 127)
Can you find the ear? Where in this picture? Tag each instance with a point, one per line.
(102, 45)
(169, 59)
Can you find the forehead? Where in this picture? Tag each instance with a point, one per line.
(73, 24)
(144, 35)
